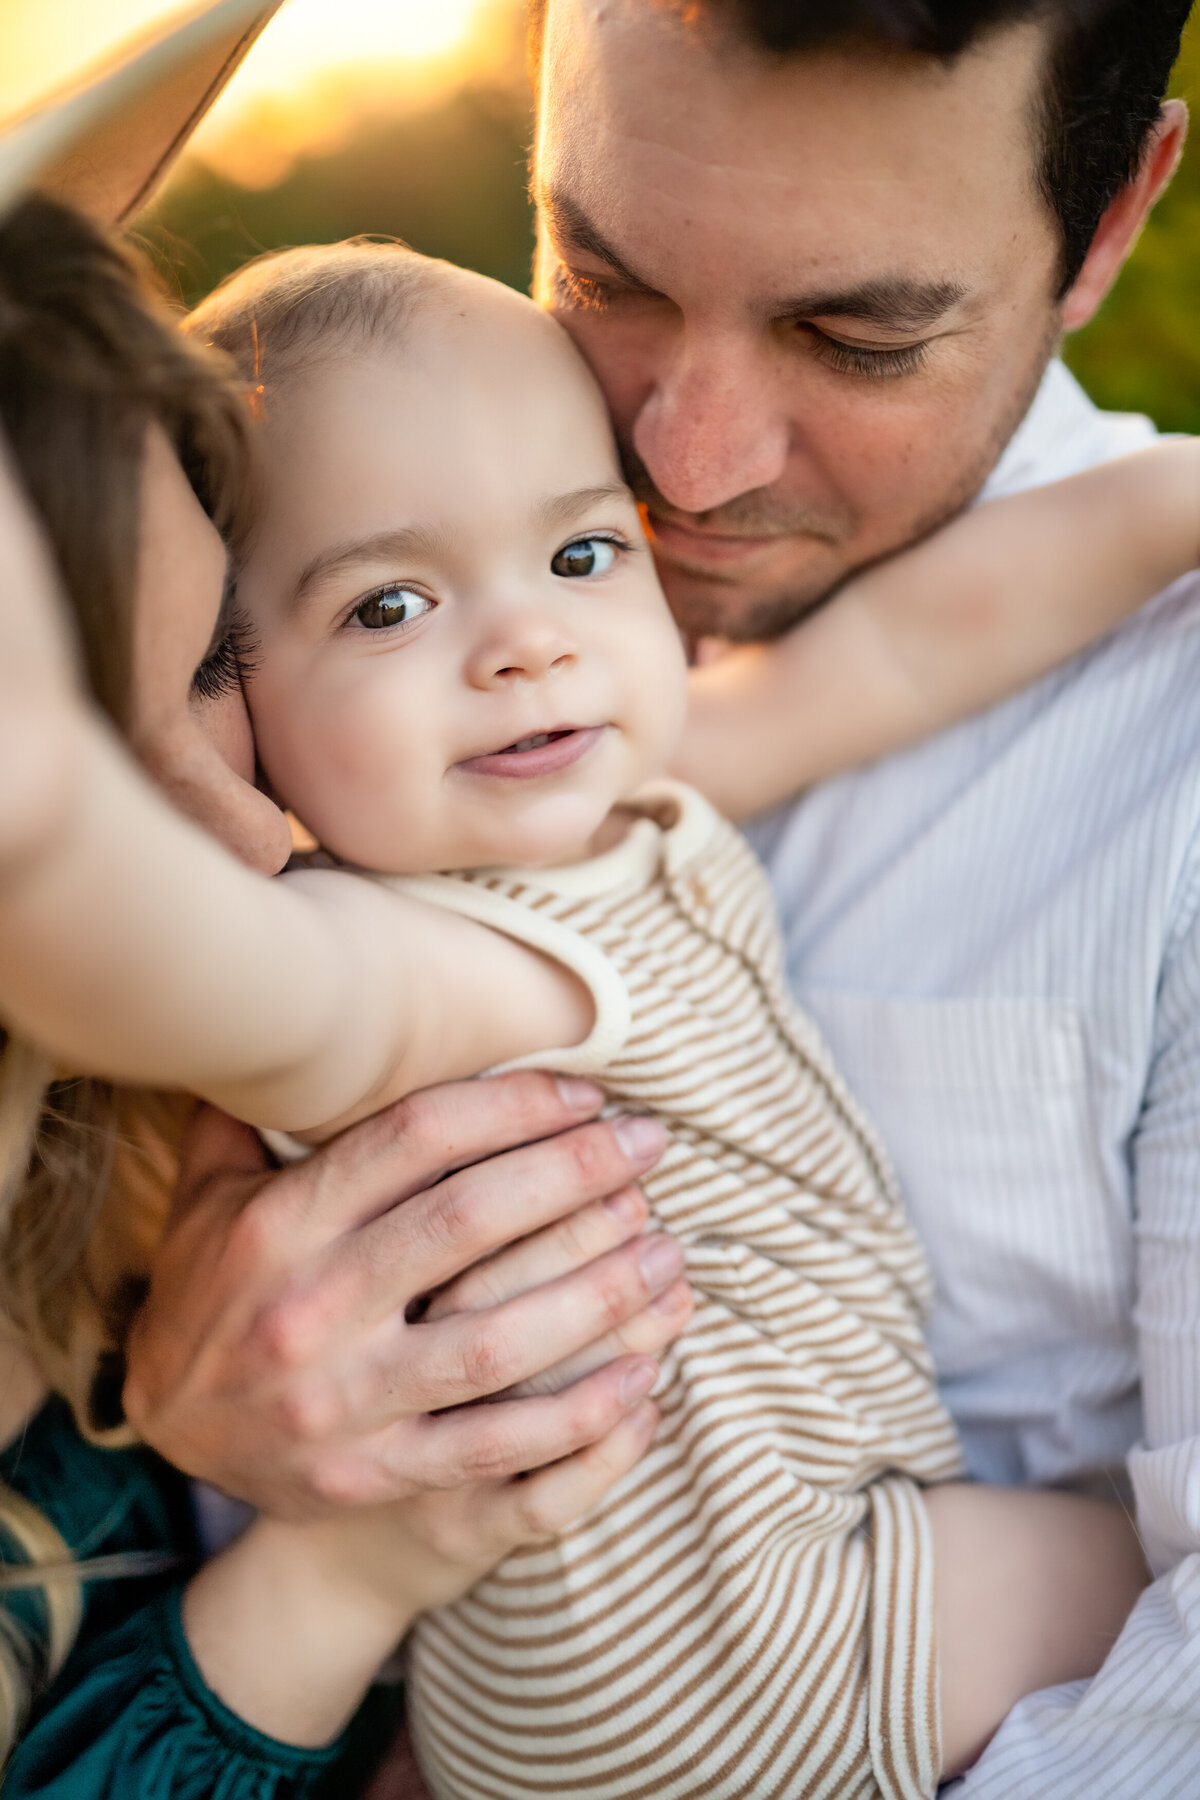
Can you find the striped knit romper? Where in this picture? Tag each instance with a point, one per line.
(750, 1611)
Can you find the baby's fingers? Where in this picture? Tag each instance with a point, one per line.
(541, 1505)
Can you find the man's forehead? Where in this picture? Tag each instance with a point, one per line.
(814, 174)
(629, 80)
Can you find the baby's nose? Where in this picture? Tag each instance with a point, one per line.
(527, 650)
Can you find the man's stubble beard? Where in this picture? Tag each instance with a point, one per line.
(707, 605)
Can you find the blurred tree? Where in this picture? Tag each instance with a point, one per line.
(1142, 351)
(450, 179)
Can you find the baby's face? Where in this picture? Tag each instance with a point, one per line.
(465, 656)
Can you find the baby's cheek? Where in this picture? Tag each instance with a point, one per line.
(363, 786)
(304, 746)
(338, 757)
(664, 699)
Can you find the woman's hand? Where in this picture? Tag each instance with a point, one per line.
(289, 1625)
(429, 1550)
(278, 1357)
(557, 1251)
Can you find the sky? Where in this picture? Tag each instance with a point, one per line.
(318, 65)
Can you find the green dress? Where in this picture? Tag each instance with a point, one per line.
(129, 1716)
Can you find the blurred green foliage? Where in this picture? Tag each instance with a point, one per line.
(1142, 351)
(450, 179)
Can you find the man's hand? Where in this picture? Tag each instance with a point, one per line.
(281, 1354)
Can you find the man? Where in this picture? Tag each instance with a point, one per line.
(820, 256)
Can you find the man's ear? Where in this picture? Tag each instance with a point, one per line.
(1120, 224)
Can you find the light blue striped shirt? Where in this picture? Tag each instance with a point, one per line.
(999, 932)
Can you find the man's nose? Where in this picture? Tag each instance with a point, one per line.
(711, 428)
(522, 644)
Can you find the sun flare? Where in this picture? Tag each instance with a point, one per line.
(318, 65)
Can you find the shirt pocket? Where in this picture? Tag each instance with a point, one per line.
(985, 1107)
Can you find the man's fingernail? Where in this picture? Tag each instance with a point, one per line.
(627, 1207)
(637, 1382)
(579, 1095)
(640, 1138)
(662, 1261)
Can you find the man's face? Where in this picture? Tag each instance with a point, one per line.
(818, 292)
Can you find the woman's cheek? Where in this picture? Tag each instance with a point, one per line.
(226, 724)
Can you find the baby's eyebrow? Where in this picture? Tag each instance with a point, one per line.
(566, 509)
(409, 542)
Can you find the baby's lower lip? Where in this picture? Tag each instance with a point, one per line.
(561, 749)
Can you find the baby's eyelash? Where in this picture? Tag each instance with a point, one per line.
(229, 661)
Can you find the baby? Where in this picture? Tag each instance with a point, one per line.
(458, 660)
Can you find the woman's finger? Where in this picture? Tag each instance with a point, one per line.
(475, 1356)
(648, 1333)
(413, 1145)
(545, 1503)
(557, 1250)
(442, 1232)
(471, 1444)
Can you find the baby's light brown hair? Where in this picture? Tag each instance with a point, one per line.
(292, 309)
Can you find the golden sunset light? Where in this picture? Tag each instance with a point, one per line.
(320, 65)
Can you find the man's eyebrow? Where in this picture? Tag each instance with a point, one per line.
(566, 509)
(570, 225)
(405, 543)
(894, 300)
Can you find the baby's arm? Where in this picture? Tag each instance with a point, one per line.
(134, 946)
(290, 1624)
(1000, 595)
(1031, 1589)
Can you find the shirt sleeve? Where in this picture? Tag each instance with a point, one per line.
(132, 1715)
(1133, 1733)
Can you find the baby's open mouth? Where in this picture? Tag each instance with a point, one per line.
(542, 753)
(534, 743)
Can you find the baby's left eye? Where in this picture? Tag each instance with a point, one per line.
(585, 556)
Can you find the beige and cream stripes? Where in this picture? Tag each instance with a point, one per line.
(750, 1611)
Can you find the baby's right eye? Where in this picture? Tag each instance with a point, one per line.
(392, 606)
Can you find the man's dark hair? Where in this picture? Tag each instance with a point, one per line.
(1110, 61)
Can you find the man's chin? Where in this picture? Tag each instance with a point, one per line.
(746, 611)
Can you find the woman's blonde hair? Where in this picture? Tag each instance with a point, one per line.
(89, 358)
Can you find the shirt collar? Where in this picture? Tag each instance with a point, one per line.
(1062, 434)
